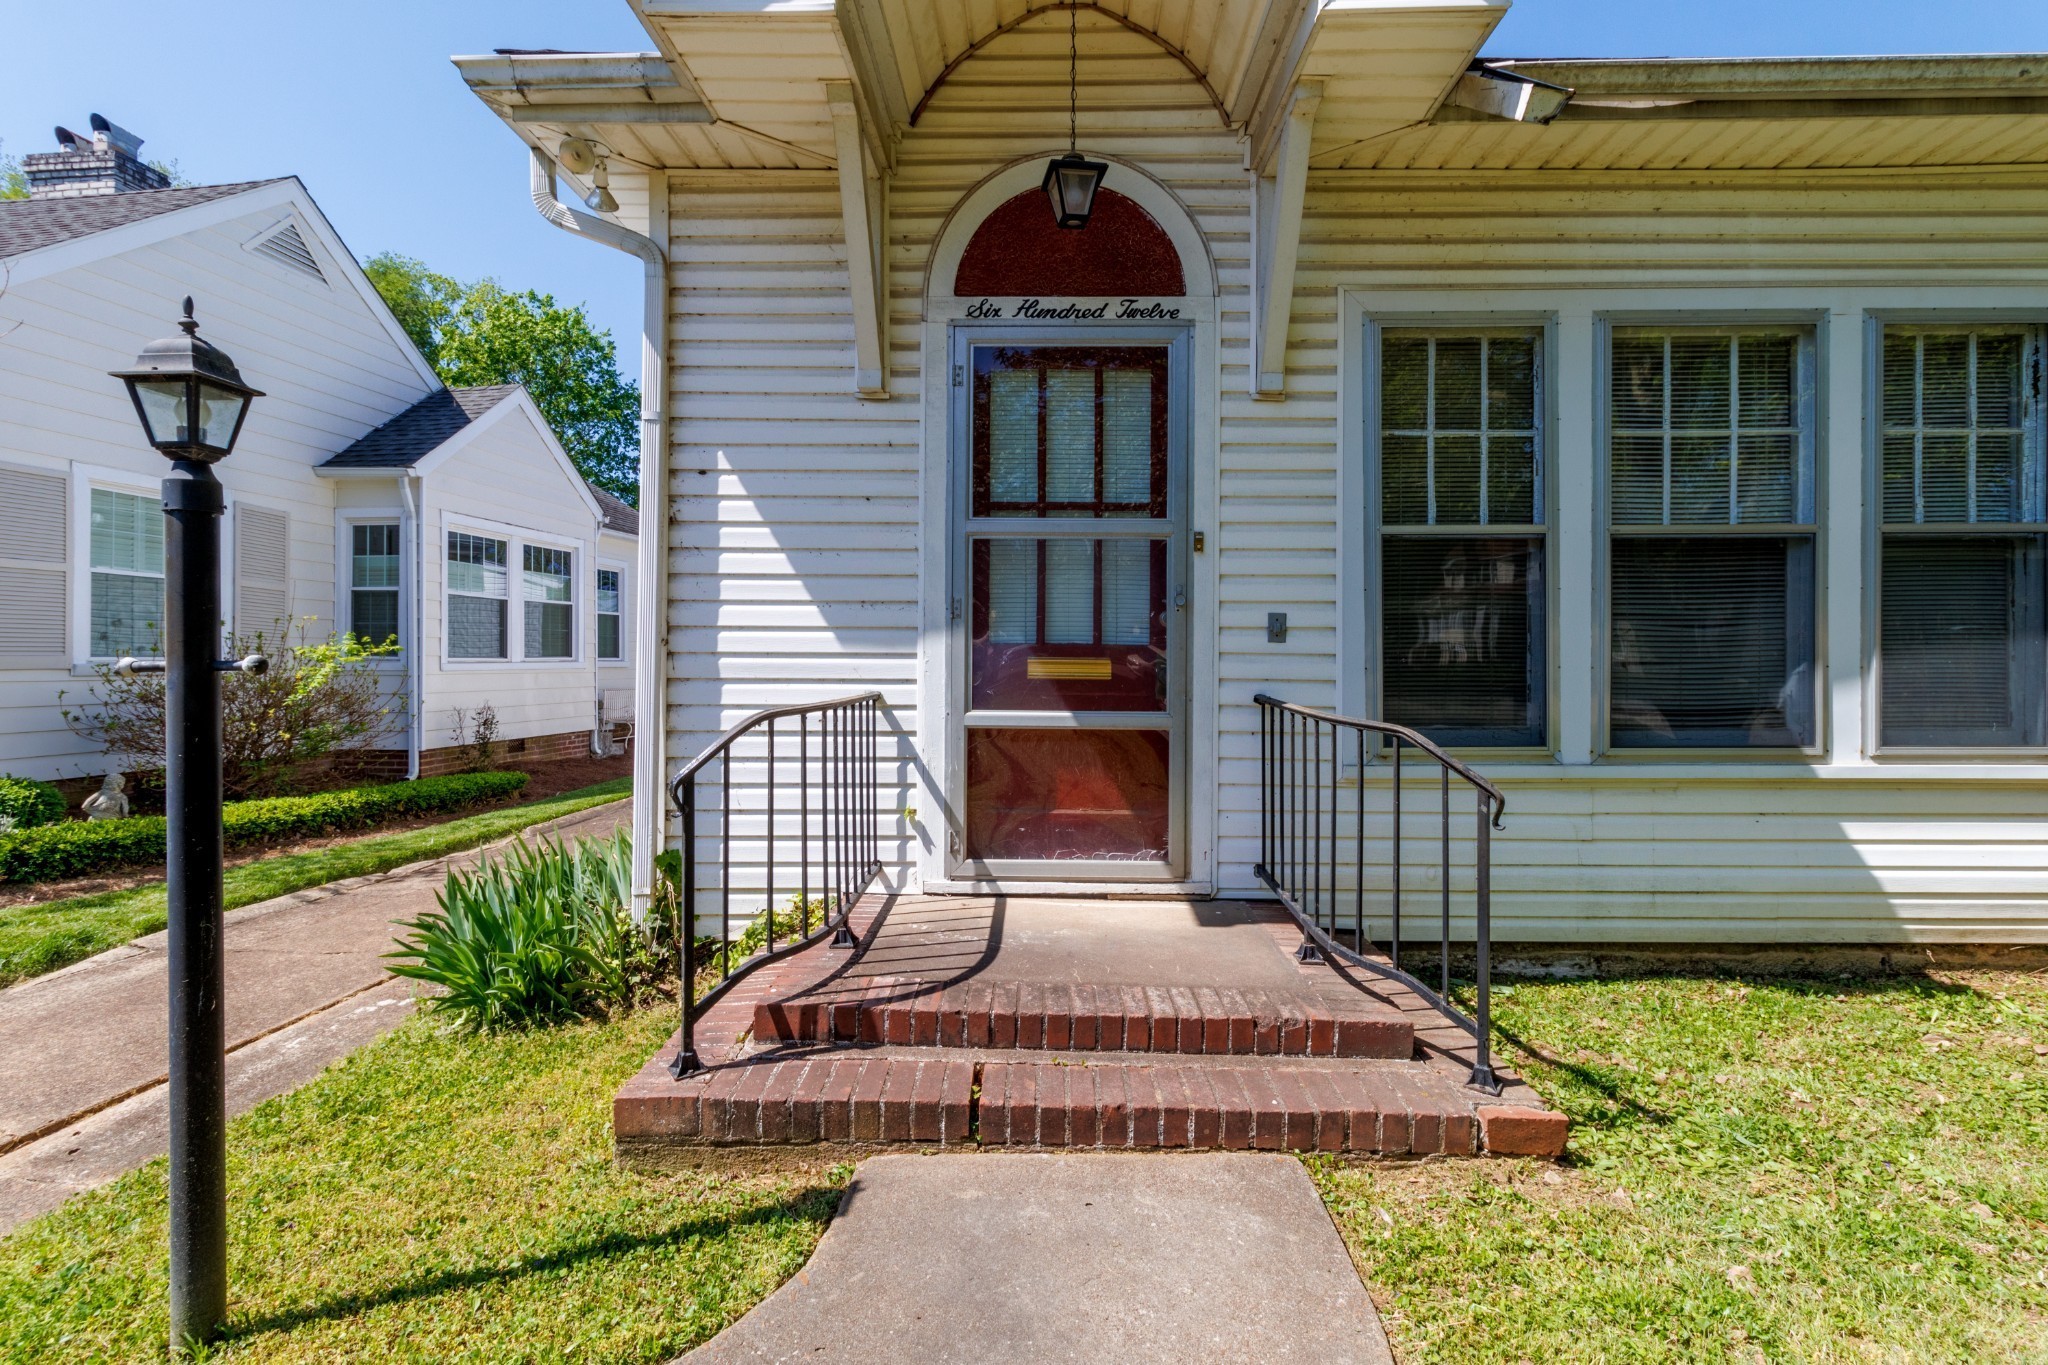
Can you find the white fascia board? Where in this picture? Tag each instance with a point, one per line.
(521, 401)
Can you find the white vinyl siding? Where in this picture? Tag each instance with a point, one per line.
(263, 583)
(1963, 567)
(127, 563)
(1712, 593)
(35, 518)
(478, 597)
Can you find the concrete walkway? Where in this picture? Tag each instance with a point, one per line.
(83, 1049)
(1223, 1258)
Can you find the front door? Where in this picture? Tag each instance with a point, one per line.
(1067, 562)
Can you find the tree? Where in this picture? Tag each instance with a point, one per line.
(482, 333)
(13, 182)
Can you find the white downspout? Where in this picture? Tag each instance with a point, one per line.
(650, 602)
(415, 725)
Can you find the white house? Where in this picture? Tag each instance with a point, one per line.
(1665, 437)
(363, 494)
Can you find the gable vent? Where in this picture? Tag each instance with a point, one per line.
(286, 247)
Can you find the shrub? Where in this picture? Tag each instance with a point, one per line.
(30, 803)
(534, 938)
(317, 698)
(476, 735)
(81, 848)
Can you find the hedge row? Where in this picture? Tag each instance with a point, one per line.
(82, 848)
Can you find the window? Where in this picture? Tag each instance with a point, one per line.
(1961, 579)
(1711, 551)
(477, 595)
(1461, 544)
(548, 596)
(611, 633)
(127, 574)
(373, 582)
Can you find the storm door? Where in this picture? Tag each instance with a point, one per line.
(1067, 561)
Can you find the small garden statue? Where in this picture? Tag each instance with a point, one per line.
(107, 803)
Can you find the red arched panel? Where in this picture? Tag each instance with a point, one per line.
(1019, 249)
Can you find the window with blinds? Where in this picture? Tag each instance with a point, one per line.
(373, 574)
(611, 619)
(1070, 431)
(1962, 652)
(478, 593)
(1461, 540)
(127, 565)
(548, 596)
(1711, 552)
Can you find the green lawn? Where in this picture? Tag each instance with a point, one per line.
(433, 1198)
(41, 938)
(1761, 1168)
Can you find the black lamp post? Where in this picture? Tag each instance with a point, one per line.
(192, 400)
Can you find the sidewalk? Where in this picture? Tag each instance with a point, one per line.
(1228, 1257)
(83, 1049)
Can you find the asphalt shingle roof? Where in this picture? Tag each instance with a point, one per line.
(619, 515)
(407, 438)
(27, 224)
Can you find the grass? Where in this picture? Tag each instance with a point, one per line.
(35, 939)
(433, 1198)
(1761, 1168)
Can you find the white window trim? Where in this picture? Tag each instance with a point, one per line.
(625, 614)
(1814, 359)
(85, 478)
(516, 538)
(1875, 321)
(1361, 656)
(1844, 300)
(344, 575)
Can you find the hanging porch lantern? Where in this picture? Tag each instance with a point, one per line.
(1072, 180)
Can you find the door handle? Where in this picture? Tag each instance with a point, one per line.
(1180, 599)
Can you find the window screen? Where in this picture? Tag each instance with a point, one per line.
(477, 597)
(1710, 567)
(548, 596)
(127, 562)
(1960, 592)
(1461, 546)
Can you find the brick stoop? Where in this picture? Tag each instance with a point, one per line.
(1332, 1020)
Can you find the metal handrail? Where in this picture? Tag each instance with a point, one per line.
(1300, 843)
(843, 828)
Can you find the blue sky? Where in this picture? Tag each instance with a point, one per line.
(359, 101)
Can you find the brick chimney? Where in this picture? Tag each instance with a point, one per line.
(104, 163)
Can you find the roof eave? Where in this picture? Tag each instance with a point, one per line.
(1977, 75)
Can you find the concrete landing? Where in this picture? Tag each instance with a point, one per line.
(1070, 1258)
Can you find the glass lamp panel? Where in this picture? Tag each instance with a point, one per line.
(163, 403)
(220, 412)
(1077, 185)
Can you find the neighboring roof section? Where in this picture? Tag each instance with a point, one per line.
(619, 515)
(29, 224)
(421, 429)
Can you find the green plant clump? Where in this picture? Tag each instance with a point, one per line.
(82, 848)
(29, 803)
(540, 936)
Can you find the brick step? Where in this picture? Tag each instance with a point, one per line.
(927, 1096)
(1333, 1020)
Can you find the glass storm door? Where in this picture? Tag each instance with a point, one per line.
(1068, 564)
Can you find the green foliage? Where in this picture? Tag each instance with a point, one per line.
(13, 180)
(538, 937)
(479, 332)
(29, 803)
(82, 848)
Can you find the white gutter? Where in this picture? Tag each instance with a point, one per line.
(415, 725)
(650, 603)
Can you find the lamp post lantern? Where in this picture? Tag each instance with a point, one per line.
(192, 401)
(1071, 181)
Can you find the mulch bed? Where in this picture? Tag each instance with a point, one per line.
(543, 782)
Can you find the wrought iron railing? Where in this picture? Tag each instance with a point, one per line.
(1315, 849)
(809, 795)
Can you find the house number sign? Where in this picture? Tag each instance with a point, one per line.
(1038, 310)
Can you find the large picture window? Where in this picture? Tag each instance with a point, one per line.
(373, 568)
(127, 574)
(1961, 592)
(549, 597)
(1711, 550)
(1461, 543)
(478, 597)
